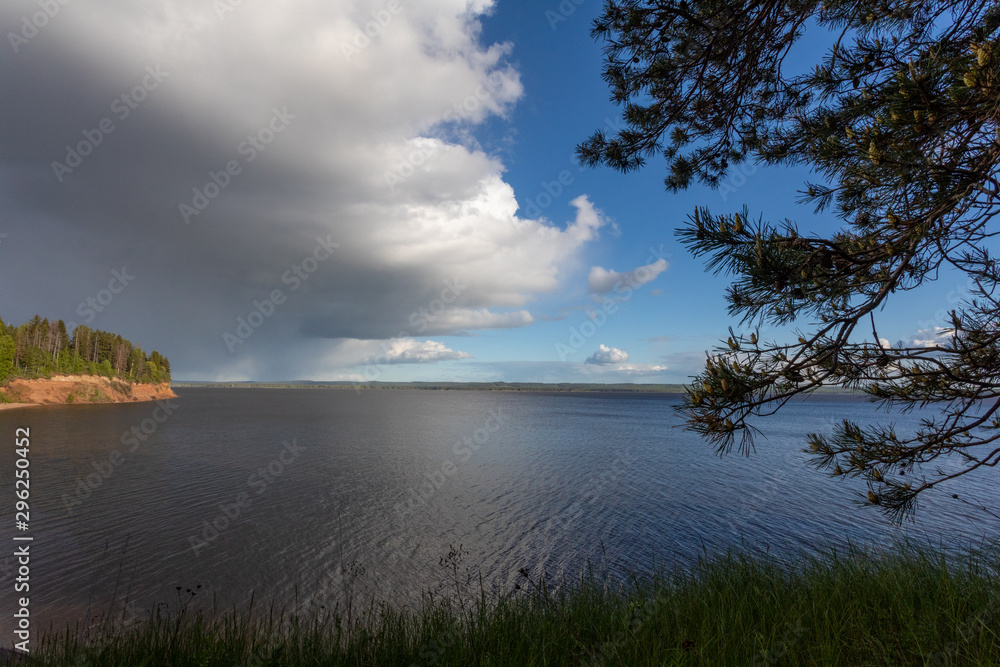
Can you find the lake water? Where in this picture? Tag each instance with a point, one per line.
(338, 491)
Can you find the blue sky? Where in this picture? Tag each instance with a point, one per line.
(270, 149)
(675, 319)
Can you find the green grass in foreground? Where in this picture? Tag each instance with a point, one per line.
(906, 607)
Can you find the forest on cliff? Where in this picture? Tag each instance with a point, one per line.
(40, 348)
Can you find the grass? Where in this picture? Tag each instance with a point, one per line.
(122, 387)
(905, 606)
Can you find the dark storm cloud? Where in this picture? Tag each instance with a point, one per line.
(211, 156)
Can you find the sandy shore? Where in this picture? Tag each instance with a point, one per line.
(81, 389)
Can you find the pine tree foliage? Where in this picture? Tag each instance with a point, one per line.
(899, 122)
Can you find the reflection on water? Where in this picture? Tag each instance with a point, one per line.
(315, 493)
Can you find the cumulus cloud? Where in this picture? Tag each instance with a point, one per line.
(409, 351)
(607, 355)
(933, 337)
(374, 151)
(602, 281)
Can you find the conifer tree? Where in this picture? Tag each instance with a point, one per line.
(899, 122)
(6, 356)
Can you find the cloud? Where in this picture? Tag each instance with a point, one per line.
(562, 371)
(607, 355)
(409, 351)
(602, 281)
(457, 320)
(933, 337)
(264, 129)
(341, 359)
(639, 370)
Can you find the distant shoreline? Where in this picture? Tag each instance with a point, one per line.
(533, 387)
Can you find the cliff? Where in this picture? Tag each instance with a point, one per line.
(63, 389)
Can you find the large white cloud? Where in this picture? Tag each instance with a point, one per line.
(376, 154)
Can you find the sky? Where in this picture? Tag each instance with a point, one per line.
(378, 190)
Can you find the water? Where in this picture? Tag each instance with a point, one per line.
(373, 489)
